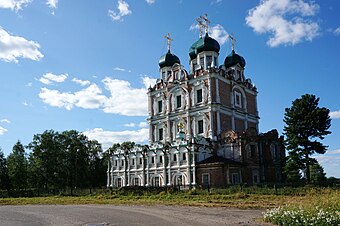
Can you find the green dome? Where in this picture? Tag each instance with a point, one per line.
(233, 59)
(168, 60)
(203, 44)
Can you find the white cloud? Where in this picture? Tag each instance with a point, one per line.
(2, 131)
(13, 47)
(333, 152)
(14, 4)
(123, 8)
(334, 114)
(123, 99)
(88, 98)
(143, 125)
(29, 84)
(25, 103)
(49, 78)
(130, 124)
(81, 82)
(150, 2)
(284, 19)
(147, 81)
(52, 3)
(108, 138)
(337, 31)
(121, 69)
(219, 33)
(5, 120)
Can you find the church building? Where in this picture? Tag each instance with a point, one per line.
(203, 126)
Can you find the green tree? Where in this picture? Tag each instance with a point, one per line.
(306, 125)
(17, 167)
(4, 180)
(318, 176)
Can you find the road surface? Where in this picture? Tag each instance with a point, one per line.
(109, 215)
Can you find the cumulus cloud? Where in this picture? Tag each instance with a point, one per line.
(5, 120)
(49, 78)
(52, 3)
(14, 47)
(81, 82)
(337, 31)
(14, 4)
(219, 33)
(123, 99)
(2, 131)
(88, 98)
(130, 124)
(147, 81)
(121, 69)
(150, 2)
(285, 20)
(108, 138)
(334, 114)
(123, 10)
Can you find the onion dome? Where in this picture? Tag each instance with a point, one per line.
(203, 44)
(168, 60)
(233, 59)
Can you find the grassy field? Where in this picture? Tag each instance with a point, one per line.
(248, 198)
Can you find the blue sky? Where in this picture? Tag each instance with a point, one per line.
(86, 65)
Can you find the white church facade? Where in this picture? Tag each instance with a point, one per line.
(203, 126)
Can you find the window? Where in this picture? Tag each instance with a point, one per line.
(122, 163)
(194, 66)
(178, 101)
(160, 106)
(156, 182)
(252, 151)
(200, 126)
(205, 179)
(209, 61)
(169, 73)
(199, 96)
(202, 61)
(119, 182)
(238, 99)
(184, 156)
(133, 161)
(136, 181)
(235, 178)
(163, 75)
(174, 157)
(152, 159)
(161, 159)
(160, 134)
(115, 163)
(140, 161)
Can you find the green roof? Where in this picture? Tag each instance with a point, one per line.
(168, 60)
(203, 44)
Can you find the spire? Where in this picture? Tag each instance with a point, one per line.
(169, 39)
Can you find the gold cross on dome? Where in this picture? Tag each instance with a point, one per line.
(233, 40)
(200, 25)
(169, 39)
(207, 22)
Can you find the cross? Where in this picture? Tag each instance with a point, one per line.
(200, 25)
(169, 39)
(233, 40)
(207, 22)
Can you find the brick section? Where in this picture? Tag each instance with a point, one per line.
(225, 122)
(213, 88)
(239, 125)
(251, 103)
(225, 90)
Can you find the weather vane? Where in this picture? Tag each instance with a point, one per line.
(169, 39)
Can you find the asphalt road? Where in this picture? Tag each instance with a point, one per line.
(97, 215)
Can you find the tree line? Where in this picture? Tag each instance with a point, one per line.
(56, 160)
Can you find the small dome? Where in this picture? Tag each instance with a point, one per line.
(203, 44)
(233, 59)
(168, 60)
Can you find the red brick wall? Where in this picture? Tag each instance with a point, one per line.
(225, 122)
